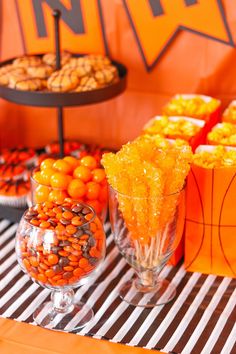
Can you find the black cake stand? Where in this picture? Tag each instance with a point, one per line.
(59, 100)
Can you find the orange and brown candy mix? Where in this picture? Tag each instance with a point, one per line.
(69, 243)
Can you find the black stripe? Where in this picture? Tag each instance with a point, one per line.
(162, 314)
(198, 315)
(16, 296)
(11, 283)
(5, 243)
(214, 318)
(2, 260)
(103, 298)
(8, 269)
(123, 318)
(6, 227)
(226, 332)
(26, 303)
(142, 317)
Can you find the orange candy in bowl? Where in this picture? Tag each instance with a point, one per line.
(81, 179)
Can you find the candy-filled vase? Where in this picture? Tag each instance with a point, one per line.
(147, 230)
(61, 246)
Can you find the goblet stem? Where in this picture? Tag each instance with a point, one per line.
(62, 300)
(62, 312)
(146, 281)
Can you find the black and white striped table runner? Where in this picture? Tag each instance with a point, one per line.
(202, 319)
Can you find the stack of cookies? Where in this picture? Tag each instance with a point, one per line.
(78, 74)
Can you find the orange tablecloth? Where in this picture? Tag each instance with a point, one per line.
(22, 338)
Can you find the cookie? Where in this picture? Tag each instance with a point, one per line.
(27, 84)
(6, 71)
(97, 61)
(50, 58)
(42, 71)
(27, 61)
(63, 80)
(80, 65)
(106, 75)
(14, 77)
(87, 83)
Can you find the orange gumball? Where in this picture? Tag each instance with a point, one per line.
(98, 175)
(57, 196)
(62, 166)
(93, 190)
(47, 163)
(41, 194)
(72, 161)
(59, 180)
(83, 173)
(89, 161)
(46, 175)
(76, 188)
(38, 177)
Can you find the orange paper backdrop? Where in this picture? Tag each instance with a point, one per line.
(175, 47)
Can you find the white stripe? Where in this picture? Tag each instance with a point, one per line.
(110, 298)
(11, 292)
(12, 273)
(9, 247)
(3, 224)
(8, 262)
(189, 314)
(206, 316)
(230, 341)
(34, 304)
(154, 313)
(7, 234)
(20, 300)
(215, 334)
(132, 318)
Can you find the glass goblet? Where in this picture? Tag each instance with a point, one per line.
(60, 259)
(147, 232)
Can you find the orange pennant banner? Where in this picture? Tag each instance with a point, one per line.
(157, 22)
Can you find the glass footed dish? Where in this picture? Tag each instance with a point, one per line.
(61, 246)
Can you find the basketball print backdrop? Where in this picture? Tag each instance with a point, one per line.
(210, 228)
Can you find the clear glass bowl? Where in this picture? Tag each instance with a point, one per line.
(61, 261)
(147, 232)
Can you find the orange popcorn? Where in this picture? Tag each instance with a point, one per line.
(215, 157)
(223, 133)
(229, 114)
(196, 106)
(173, 127)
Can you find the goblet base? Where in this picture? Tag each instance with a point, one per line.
(146, 296)
(75, 317)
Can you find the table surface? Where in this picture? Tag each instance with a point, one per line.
(200, 320)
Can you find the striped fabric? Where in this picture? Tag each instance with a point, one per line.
(200, 320)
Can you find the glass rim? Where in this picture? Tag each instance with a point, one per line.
(55, 231)
(149, 198)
